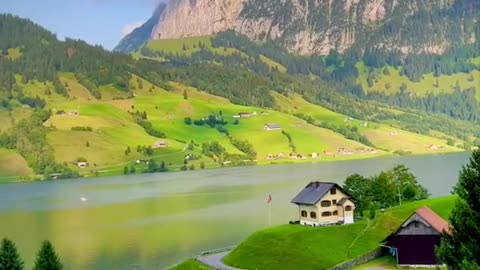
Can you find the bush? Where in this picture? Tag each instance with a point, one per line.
(81, 129)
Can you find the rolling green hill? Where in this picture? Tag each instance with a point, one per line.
(302, 247)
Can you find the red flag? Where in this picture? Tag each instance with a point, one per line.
(269, 200)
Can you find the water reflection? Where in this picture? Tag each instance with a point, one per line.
(154, 221)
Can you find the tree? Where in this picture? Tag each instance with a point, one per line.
(459, 249)
(125, 170)
(187, 120)
(163, 167)
(87, 144)
(185, 94)
(9, 258)
(132, 169)
(47, 258)
(358, 186)
(152, 166)
(202, 165)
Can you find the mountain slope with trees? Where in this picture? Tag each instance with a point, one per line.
(66, 103)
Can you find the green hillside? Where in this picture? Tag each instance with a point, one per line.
(389, 80)
(66, 104)
(302, 247)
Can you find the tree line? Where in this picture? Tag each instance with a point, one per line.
(47, 258)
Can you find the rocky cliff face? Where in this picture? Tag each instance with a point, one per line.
(320, 26)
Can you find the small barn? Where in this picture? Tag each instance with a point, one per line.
(272, 127)
(414, 243)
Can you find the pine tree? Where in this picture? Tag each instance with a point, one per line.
(47, 258)
(9, 258)
(459, 249)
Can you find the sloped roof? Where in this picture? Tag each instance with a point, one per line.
(342, 201)
(315, 191)
(434, 220)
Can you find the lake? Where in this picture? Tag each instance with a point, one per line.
(155, 221)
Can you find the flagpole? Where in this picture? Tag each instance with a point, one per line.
(270, 214)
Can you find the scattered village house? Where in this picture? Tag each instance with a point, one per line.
(243, 115)
(272, 127)
(160, 144)
(321, 203)
(413, 244)
(82, 165)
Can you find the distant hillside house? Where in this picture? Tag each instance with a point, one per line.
(321, 203)
(82, 165)
(413, 244)
(272, 127)
(244, 115)
(160, 144)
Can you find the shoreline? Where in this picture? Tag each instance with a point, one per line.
(119, 172)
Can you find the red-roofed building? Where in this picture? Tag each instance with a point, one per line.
(414, 243)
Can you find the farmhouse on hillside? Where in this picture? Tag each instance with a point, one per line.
(160, 145)
(413, 244)
(321, 203)
(272, 127)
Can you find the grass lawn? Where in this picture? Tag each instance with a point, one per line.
(390, 83)
(300, 247)
(191, 265)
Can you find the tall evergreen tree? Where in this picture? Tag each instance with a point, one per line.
(9, 258)
(460, 249)
(47, 258)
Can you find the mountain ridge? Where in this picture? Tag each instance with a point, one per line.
(322, 26)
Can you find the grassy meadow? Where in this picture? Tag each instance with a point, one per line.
(302, 247)
(12, 164)
(113, 129)
(382, 136)
(391, 82)
(187, 46)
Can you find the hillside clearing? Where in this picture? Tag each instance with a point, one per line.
(12, 164)
(300, 247)
(391, 82)
(191, 265)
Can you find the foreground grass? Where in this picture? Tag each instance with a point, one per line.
(191, 265)
(299, 247)
(386, 262)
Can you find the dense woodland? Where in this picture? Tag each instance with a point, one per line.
(242, 78)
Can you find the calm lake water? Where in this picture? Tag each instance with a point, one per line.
(155, 221)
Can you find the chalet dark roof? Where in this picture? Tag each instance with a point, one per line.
(342, 201)
(313, 193)
(438, 223)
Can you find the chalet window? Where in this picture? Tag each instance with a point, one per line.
(334, 202)
(416, 224)
(348, 208)
(313, 215)
(335, 213)
(326, 214)
(304, 213)
(326, 203)
(333, 191)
